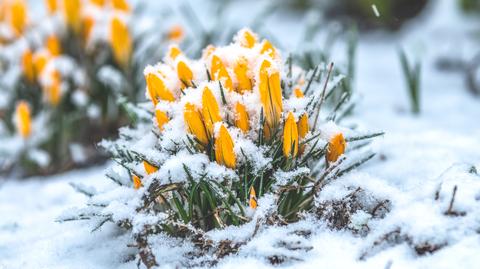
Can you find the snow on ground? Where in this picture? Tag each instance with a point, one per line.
(408, 170)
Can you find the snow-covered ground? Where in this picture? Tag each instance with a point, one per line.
(409, 170)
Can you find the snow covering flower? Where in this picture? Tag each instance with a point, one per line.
(218, 133)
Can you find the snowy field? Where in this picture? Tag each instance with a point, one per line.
(420, 160)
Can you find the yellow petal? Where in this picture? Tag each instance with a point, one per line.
(120, 41)
(52, 6)
(247, 38)
(298, 92)
(253, 198)
(18, 15)
(303, 129)
(303, 126)
(185, 74)
(99, 3)
(162, 118)
(241, 72)
(137, 182)
(53, 90)
(210, 110)
(121, 5)
(40, 59)
(150, 169)
(53, 45)
(290, 137)
(268, 48)
(241, 119)
(72, 14)
(194, 123)
(336, 147)
(224, 153)
(27, 65)
(23, 120)
(270, 95)
(173, 52)
(88, 23)
(220, 73)
(176, 33)
(157, 90)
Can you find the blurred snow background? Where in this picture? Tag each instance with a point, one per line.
(408, 170)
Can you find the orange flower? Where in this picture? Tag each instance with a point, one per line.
(157, 90)
(185, 74)
(268, 48)
(290, 137)
(220, 73)
(173, 52)
(52, 6)
(137, 182)
(194, 122)
(40, 59)
(253, 198)
(150, 169)
(27, 65)
(303, 129)
(120, 41)
(336, 147)
(210, 110)
(270, 96)
(241, 71)
(224, 153)
(247, 38)
(162, 118)
(298, 92)
(17, 15)
(53, 89)
(176, 33)
(88, 24)
(72, 13)
(241, 119)
(121, 5)
(23, 119)
(53, 45)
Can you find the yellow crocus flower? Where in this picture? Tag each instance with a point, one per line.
(52, 6)
(27, 65)
(270, 96)
(23, 119)
(17, 15)
(185, 74)
(242, 119)
(336, 147)
(121, 5)
(303, 129)
(210, 110)
(224, 153)
(137, 182)
(120, 41)
(220, 73)
(241, 72)
(149, 168)
(53, 45)
(253, 198)
(72, 14)
(268, 48)
(162, 118)
(290, 137)
(157, 90)
(194, 123)
(248, 38)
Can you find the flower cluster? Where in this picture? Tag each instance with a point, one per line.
(76, 63)
(234, 136)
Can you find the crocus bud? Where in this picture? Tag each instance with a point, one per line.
(22, 119)
(253, 198)
(157, 89)
(224, 153)
(241, 119)
(194, 123)
(185, 74)
(241, 72)
(220, 73)
(120, 41)
(290, 137)
(336, 147)
(210, 110)
(162, 118)
(149, 168)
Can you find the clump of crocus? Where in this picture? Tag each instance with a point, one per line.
(223, 136)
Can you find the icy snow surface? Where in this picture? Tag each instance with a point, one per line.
(419, 159)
